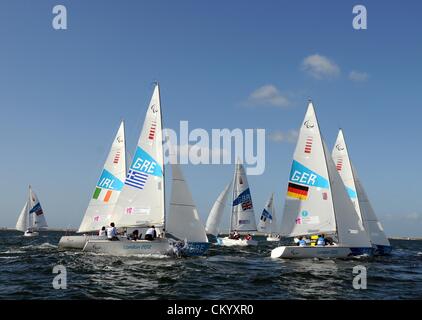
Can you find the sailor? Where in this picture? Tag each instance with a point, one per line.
(102, 232)
(236, 235)
(112, 232)
(321, 241)
(151, 234)
(302, 242)
(134, 235)
(248, 237)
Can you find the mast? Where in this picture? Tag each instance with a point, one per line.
(164, 170)
(233, 198)
(28, 209)
(328, 172)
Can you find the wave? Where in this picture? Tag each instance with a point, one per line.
(45, 245)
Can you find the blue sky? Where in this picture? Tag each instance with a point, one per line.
(63, 93)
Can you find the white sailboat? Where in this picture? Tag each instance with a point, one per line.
(267, 223)
(242, 215)
(317, 201)
(358, 196)
(31, 218)
(183, 221)
(141, 202)
(214, 218)
(101, 207)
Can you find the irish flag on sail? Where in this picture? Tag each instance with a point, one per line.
(106, 185)
(101, 207)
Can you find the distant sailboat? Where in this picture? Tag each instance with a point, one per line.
(214, 218)
(100, 211)
(358, 196)
(268, 223)
(317, 201)
(31, 218)
(242, 216)
(183, 221)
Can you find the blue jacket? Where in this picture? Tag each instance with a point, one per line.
(321, 241)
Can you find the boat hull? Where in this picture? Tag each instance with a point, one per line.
(76, 242)
(383, 250)
(31, 234)
(196, 249)
(227, 242)
(328, 252)
(128, 247)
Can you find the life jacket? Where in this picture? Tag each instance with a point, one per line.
(321, 241)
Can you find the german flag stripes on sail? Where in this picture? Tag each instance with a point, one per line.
(297, 191)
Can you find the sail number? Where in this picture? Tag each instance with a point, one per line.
(303, 177)
(144, 165)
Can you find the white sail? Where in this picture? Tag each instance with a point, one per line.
(22, 224)
(341, 159)
(350, 231)
(243, 215)
(141, 202)
(216, 213)
(36, 213)
(308, 206)
(267, 221)
(183, 220)
(370, 222)
(356, 192)
(107, 191)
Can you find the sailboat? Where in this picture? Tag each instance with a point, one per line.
(242, 216)
(31, 218)
(317, 201)
(100, 211)
(267, 222)
(183, 221)
(359, 198)
(141, 203)
(214, 218)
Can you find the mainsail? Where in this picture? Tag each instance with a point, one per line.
(357, 193)
(141, 202)
(107, 191)
(308, 207)
(183, 220)
(243, 215)
(267, 221)
(36, 213)
(216, 213)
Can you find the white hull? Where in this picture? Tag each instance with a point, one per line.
(76, 242)
(30, 234)
(128, 247)
(273, 239)
(296, 252)
(227, 242)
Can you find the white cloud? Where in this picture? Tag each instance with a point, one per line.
(414, 216)
(267, 95)
(280, 136)
(358, 76)
(320, 67)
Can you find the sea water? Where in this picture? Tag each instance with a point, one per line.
(26, 272)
